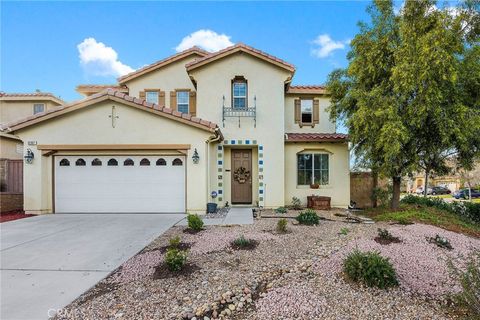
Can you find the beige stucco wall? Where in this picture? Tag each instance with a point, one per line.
(266, 82)
(92, 125)
(168, 78)
(15, 110)
(339, 184)
(9, 148)
(325, 125)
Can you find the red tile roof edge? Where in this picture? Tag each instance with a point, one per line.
(315, 137)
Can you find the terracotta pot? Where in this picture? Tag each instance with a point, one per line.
(314, 186)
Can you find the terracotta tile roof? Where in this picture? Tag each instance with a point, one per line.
(94, 88)
(313, 89)
(116, 96)
(30, 95)
(316, 137)
(240, 47)
(163, 62)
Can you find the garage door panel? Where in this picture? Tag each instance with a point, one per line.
(119, 188)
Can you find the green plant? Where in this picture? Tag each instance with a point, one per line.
(469, 279)
(241, 242)
(195, 222)
(281, 210)
(175, 259)
(384, 234)
(371, 269)
(296, 204)
(282, 225)
(308, 217)
(440, 241)
(174, 242)
(344, 231)
(382, 196)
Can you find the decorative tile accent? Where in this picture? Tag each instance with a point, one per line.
(220, 162)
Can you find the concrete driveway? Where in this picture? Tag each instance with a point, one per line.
(48, 261)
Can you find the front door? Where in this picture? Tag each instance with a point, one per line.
(242, 176)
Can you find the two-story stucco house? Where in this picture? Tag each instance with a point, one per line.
(170, 134)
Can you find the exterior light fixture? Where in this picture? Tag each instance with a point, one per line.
(195, 157)
(29, 156)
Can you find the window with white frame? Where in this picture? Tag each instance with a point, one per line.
(151, 96)
(239, 93)
(306, 106)
(312, 168)
(38, 107)
(183, 101)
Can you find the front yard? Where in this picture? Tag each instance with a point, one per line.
(293, 275)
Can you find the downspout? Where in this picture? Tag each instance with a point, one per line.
(217, 137)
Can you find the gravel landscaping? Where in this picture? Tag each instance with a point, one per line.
(296, 275)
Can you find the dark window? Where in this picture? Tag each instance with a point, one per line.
(64, 163)
(312, 168)
(161, 162)
(145, 162)
(112, 162)
(128, 162)
(96, 162)
(80, 162)
(239, 93)
(307, 110)
(177, 162)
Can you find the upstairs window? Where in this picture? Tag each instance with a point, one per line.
(38, 107)
(151, 96)
(307, 110)
(183, 101)
(239, 93)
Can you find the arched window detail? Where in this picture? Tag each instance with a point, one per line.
(64, 163)
(112, 162)
(161, 162)
(128, 162)
(177, 162)
(80, 162)
(239, 93)
(96, 162)
(144, 162)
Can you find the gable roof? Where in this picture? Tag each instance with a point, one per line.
(307, 89)
(240, 47)
(31, 96)
(88, 89)
(161, 63)
(118, 97)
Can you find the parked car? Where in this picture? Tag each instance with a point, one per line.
(463, 194)
(419, 190)
(440, 190)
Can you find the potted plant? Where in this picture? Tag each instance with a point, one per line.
(314, 186)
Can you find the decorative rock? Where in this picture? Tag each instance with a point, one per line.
(231, 307)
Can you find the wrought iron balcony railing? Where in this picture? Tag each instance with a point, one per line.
(248, 112)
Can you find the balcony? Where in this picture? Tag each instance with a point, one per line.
(249, 112)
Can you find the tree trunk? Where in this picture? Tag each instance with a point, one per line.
(425, 186)
(396, 192)
(375, 186)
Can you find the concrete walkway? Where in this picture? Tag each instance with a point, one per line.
(48, 261)
(236, 215)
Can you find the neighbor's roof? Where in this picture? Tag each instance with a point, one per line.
(316, 137)
(33, 96)
(307, 89)
(94, 88)
(240, 47)
(118, 97)
(161, 63)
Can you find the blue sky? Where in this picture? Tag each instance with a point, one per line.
(39, 39)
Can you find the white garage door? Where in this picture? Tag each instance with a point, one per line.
(119, 184)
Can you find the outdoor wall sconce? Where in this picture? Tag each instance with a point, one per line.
(29, 156)
(195, 157)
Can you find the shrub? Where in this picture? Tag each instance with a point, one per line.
(382, 196)
(296, 204)
(384, 234)
(371, 269)
(308, 217)
(440, 241)
(241, 241)
(344, 231)
(282, 225)
(469, 278)
(175, 259)
(174, 242)
(195, 222)
(281, 210)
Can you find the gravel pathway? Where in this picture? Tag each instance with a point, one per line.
(287, 276)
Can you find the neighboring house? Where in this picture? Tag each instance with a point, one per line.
(13, 107)
(227, 123)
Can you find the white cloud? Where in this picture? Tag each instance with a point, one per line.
(206, 39)
(99, 60)
(325, 46)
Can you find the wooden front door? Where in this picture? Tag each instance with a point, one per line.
(242, 176)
